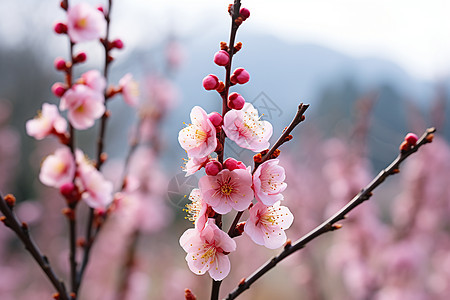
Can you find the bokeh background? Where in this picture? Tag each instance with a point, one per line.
(371, 70)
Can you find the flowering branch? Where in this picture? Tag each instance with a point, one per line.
(406, 149)
(21, 230)
(298, 118)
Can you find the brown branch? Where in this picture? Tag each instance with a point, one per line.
(90, 236)
(330, 224)
(21, 230)
(298, 118)
(224, 94)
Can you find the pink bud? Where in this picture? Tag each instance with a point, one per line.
(241, 165)
(213, 168)
(411, 138)
(235, 101)
(222, 58)
(240, 75)
(215, 118)
(58, 89)
(231, 164)
(60, 64)
(80, 57)
(100, 8)
(117, 44)
(70, 192)
(245, 13)
(60, 28)
(210, 82)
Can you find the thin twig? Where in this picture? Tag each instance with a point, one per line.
(90, 236)
(329, 225)
(21, 230)
(298, 118)
(224, 94)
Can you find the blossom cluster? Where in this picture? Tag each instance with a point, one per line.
(229, 184)
(84, 98)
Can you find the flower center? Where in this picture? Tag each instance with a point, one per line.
(200, 135)
(193, 211)
(226, 189)
(82, 23)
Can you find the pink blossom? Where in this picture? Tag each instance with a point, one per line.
(227, 190)
(266, 224)
(58, 168)
(47, 122)
(195, 164)
(197, 209)
(85, 23)
(199, 138)
(206, 250)
(85, 105)
(96, 190)
(268, 182)
(94, 80)
(245, 129)
(130, 89)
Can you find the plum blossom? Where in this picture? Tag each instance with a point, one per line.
(48, 121)
(58, 168)
(206, 250)
(193, 164)
(266, 224)
(95, 80)
(199, 138)
(268, 182)
(245, 128)
(130, 89)
(85, 105)
(227, 190)
(85, 23)
(197, 210)
(97, 191)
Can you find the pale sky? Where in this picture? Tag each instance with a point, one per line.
(413, 33)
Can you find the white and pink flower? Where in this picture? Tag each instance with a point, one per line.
(193, 164)
(85, 105)
(197, 210)
(58, 168)
(85, 23)
(199, 138)
(94, 80)
(268, 182)
(48, 121)
(227, 190)
(96, 190)
(207, 249)
(245, 128)
(266, 224)
(130, 89)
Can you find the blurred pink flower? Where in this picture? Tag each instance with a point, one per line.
(268, 182)
(199, 138)
(245, 129)
(94, 80)
(96, 190)
(205, 250)
(85, 23)
(46, 122)
(85, 105)
(227, 190)
(266, 224)
(197, 209)
(58, 168)
(130, 89)
(195, 164)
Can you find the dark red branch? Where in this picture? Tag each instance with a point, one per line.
(21, 230)
(330, 224)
